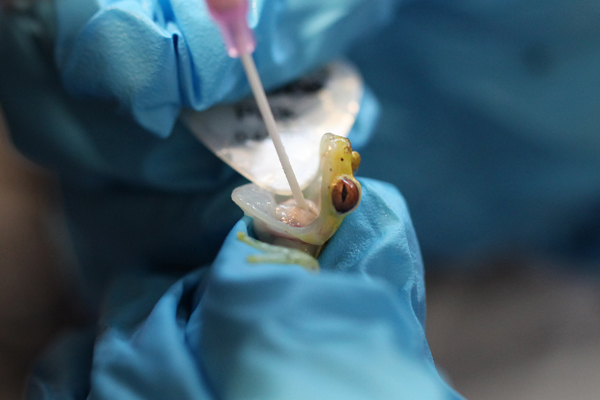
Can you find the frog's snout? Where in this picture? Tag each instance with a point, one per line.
(355, 161)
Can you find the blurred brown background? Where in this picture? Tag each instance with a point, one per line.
(34, 276)
(517, 329)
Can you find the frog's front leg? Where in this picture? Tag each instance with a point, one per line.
(278, 254)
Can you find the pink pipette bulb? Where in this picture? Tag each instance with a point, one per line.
(230, 16)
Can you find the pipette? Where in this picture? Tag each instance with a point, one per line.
(230, 16)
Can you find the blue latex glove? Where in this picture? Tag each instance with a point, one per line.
(88, 144)
(134, 201)
(155, 57)
(268, 331)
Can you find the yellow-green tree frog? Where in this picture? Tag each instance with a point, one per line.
(332, 196)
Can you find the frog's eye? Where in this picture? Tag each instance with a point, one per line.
(344, 195)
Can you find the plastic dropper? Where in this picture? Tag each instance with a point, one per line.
(230, 16)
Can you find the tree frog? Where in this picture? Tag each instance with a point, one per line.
(332, 196)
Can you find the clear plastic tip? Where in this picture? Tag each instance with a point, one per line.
(230, 15)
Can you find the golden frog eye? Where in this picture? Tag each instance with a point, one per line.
(344, 195)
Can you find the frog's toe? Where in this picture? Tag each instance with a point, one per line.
(296, 257)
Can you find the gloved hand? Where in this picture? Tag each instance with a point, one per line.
(155, 57)
(269, 331)
(85, 140)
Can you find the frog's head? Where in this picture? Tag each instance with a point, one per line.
(339, 195)
(340, 191)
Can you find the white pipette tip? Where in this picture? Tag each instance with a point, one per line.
(230, 15)
(265, 110)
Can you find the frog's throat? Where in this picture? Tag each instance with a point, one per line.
(336, 163)
(267, 234)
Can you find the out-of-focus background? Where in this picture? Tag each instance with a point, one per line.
(36, 287)
(517, 328)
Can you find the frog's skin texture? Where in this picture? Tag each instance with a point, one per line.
(332, 196)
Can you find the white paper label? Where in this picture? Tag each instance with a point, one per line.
(326, 100)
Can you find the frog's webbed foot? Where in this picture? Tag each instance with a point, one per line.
(278, 254)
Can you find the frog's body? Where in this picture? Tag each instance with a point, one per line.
(331, 197)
